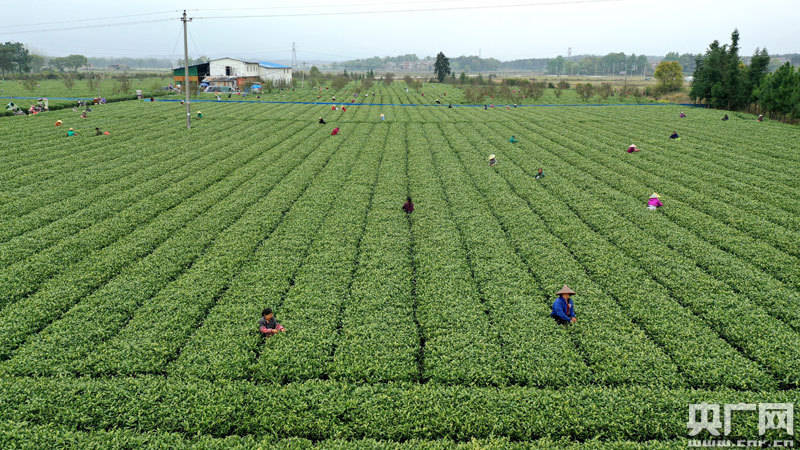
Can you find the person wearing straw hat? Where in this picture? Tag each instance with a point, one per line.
(654, 202)
(199, 114)
(59, 122)
(71, 132)
(513, 139)
(322, 121)
(563, 309)
(633, 148)
(675, 136)
(492, 160)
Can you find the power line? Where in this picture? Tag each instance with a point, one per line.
(328, 5)
(413, 10)
(93, 26)
(85, 19)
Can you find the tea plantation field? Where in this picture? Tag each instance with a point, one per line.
(134, 267)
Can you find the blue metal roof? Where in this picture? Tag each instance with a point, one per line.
(271, 65)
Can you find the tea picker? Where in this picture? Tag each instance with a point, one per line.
(654, 202)
(267, 325)
(563, 311)
(408, 206)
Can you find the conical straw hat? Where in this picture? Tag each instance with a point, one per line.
(655, 195)
(491, 156)
(566, 290)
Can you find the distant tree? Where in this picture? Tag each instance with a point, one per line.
(555, 66)
(93, 81)
(473, 94)
(759, 67)
(75, 62)
(638, 94)
(722, 80)
(779, 93)
(536, 89)
(366, 83)
(672, 56)
(29, 82)
(339, 82)
(605, 90)
(14, 57)
(441, 67)
(69, 80)
(192, 62)
(732, 75)
(124, 85)
(37, 62)
(388, 78)
(462, 78)
(585, 91)
(669, 75)
(58, 63)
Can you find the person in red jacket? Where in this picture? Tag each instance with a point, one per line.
(408, 206)
(267, 325)
(335, 131)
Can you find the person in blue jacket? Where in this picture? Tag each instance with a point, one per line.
(563, 309)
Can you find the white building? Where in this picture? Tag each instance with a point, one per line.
(236, 69)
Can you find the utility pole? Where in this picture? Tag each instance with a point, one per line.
(185, 20)
(294, 61)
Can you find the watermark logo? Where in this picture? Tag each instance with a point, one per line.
(717, 421)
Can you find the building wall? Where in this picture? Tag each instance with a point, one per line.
(276, 75)
(239, 68)
(182, 79)
(244, 69)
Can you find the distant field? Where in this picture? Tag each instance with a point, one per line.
(135, 266)
(56, 88)
(430, 92)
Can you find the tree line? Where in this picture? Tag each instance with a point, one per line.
(610, 64)
(722, 80)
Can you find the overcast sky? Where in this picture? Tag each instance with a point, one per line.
(539, 28)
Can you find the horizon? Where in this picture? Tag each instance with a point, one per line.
(336, 33)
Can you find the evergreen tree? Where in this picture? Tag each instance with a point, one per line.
(779, 93)
(441, 67)
(732, 77)
(759, 67)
